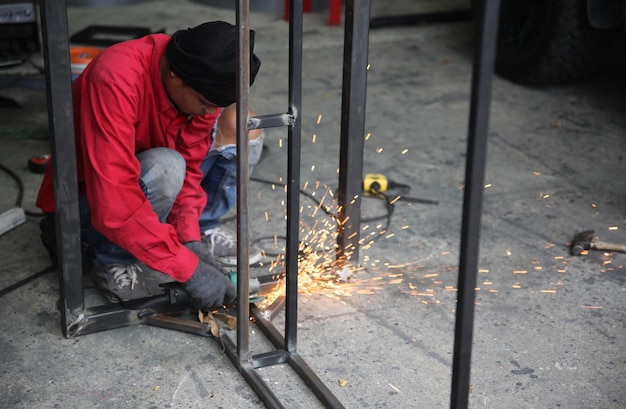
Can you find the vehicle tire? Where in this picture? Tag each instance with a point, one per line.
(549, 41)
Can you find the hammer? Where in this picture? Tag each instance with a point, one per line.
(585, 241)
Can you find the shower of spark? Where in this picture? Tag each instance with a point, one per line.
(322, 270)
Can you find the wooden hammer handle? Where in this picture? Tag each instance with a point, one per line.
(603, 245)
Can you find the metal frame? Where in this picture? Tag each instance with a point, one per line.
(168, 310)
(286, 348)
(164, 310)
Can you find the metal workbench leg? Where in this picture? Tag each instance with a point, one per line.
(355, 60)
(60, 117)
(486, 28)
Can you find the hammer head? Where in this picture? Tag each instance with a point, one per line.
(581, 241)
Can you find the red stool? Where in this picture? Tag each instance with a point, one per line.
(334, 10)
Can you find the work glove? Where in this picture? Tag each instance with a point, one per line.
(209, 288)
(202, 251)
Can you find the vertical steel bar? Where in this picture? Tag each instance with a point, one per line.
(63, 149)
(293, 173)
(356, 45)
(486, 28)
(243, 183)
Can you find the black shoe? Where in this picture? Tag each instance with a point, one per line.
(48, 235)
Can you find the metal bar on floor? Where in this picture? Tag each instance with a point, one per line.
(61, 122)
(486, 29)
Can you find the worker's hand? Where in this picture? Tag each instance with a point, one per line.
(202, 251)
(209, 287)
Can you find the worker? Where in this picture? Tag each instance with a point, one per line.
(155, 130)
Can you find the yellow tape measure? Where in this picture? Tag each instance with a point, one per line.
(375, 183)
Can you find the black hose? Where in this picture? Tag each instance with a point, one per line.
(20, 185)
(27, 280)
(20, 191)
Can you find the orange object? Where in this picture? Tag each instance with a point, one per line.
(81, 56)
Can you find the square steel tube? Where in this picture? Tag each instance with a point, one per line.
(355, 60)
(61, 122)
(486, 29)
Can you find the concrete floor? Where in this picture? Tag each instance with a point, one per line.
(549, 328)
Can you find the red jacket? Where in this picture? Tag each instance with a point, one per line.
(121, 108)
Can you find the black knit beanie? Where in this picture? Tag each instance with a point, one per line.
(205, 58)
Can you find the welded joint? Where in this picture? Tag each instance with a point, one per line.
(75, 326)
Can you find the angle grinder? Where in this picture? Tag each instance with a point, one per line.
(254, 287)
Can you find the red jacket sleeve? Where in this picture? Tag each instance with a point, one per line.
(120, 210)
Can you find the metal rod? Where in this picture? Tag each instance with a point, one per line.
(482, 75)
(356, 44)
(270, 121)
(269, 358)
(293, 173)
(61, 122)
(101, 318)
(175, 323)
(243, 182)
